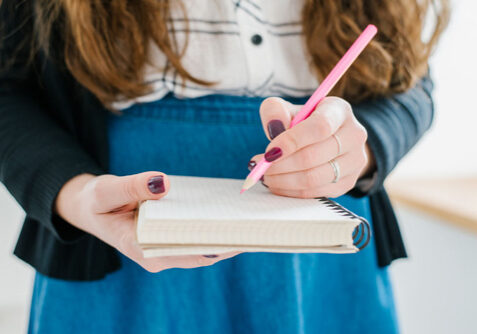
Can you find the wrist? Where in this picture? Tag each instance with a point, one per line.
(67, 203)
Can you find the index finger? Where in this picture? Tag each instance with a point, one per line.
(327, 118)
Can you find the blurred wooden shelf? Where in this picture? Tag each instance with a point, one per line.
(451, 199)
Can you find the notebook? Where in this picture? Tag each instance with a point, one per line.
(209, 216)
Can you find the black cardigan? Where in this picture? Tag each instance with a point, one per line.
(52, 128)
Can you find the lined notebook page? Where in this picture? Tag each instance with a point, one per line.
(196, 198)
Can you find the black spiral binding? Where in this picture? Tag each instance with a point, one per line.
(362, 232)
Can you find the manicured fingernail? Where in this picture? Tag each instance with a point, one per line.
(210, 256)
(251, 165)
(156, 184)
(275, 127)
(273, 154)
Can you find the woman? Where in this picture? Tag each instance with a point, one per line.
(99, 101)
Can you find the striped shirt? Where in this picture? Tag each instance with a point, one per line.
(246, 47)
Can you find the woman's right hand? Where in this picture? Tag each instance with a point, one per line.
(105, 206)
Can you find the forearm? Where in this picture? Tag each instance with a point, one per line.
(37, 158)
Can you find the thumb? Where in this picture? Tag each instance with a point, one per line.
(276, 115)
(117, 191)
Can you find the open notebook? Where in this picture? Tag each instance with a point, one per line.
(209, 216)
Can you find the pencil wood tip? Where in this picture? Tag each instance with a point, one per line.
(247, 184)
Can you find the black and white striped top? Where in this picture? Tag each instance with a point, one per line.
(248, 47)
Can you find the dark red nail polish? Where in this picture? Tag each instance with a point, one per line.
(273, 154)
(275, 127)
(251, 165)
(210, 256)
(156, 184)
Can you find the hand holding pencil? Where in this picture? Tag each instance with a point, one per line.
(324, 151)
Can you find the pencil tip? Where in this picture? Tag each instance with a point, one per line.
(247, 184)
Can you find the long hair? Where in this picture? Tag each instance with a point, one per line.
(106, 43)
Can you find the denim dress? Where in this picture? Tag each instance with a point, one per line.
(215, 136)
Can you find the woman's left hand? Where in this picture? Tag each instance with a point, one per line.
(301, 155)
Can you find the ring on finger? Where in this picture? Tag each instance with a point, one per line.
(336, 170)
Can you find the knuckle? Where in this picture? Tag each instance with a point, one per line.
(339, 102)
(360, 159)
(130, 190)
(331, 100)
(324, 126)
(292, 141)
(361, 134)
(365, 159)
(98, 189)
(312, 178)
(346, 106)
(308, 158)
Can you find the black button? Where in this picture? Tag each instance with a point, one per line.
(257, 39)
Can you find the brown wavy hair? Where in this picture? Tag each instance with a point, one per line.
(106, 43)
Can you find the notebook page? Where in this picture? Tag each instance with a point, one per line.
(197, 198)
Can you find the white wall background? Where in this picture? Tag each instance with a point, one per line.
(436, 290)
(15, 276)
(449, 148)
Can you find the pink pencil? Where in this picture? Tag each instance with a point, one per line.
(325, 87)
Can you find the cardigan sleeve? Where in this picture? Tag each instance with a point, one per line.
(37, 156)
(394, 125)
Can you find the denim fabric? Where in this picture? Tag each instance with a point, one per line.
(251, 293)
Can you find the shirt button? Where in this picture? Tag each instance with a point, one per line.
(256, 39)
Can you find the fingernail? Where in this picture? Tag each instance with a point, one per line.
(251, 165)
(263, 183)
(210, 256)
(275, 127)
(273, 154)
(156, 184)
